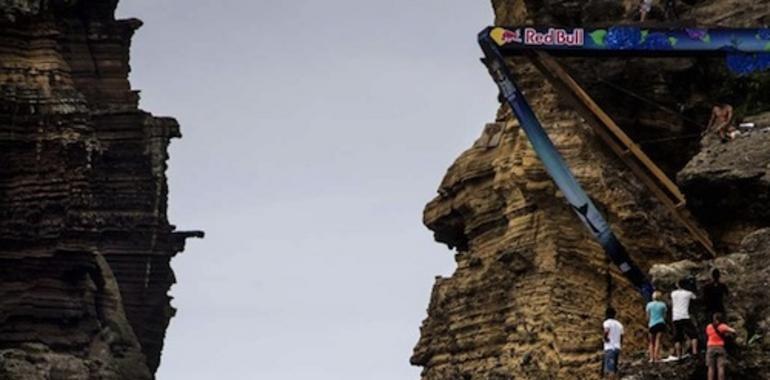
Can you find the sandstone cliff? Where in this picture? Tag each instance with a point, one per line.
(531, 284)
(85, 243)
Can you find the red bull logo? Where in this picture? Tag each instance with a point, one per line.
(534, 37)
(512, 36)
(504, 36)
(554, 37)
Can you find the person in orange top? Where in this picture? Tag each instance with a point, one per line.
(715, 348)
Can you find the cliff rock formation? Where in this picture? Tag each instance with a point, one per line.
(85, 243)
(531, 285)
(728, 184)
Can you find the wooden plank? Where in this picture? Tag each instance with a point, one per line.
(559, 73)
(623, 146)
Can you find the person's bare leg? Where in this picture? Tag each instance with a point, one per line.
(653, 358)
(657, 346)
(724, 131)
(721, 367)
(678, 349)
(652, 348)
(694, 343)
(711, 372)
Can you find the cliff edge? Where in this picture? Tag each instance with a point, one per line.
(531, 285)
(85, 243)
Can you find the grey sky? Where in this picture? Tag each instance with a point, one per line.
(315, 132)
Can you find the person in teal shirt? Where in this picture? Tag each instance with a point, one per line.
(656, 313)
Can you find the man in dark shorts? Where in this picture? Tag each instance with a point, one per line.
(714, 295)
(683, 326)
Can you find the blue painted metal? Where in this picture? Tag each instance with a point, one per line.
(687, 41)
(747, 49)
(557, 168)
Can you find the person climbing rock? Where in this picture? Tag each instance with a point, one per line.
(644, 8)
(613, 337)
(721, 122)
(716, 356)
(670, 10)
(683, 327)
(714, 294)
(656, 314)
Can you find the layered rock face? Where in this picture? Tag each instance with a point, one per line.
(531, 284)
(729, 183)
(85, 243)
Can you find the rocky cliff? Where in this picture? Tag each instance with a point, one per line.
(531, 284)
(748, 271)
(85, 243)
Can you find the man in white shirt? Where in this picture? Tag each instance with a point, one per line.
(613, 337)
(683, 326)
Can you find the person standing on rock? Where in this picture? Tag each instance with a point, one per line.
(656, 314)
(716, 356)
(714, 294)
(670, 10)
(683, 326)
(644, 8)
(613, 337)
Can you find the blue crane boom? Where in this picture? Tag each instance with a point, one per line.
(750, 46)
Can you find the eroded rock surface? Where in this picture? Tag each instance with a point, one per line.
(531, 285)
(728, 184)
(85, 243)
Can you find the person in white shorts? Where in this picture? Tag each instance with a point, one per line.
(644, 8)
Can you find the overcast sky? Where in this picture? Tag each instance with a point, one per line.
(314, 134)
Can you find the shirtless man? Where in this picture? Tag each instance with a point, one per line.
(722, 121)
